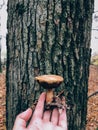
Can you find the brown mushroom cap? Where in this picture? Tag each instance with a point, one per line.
(49, 81)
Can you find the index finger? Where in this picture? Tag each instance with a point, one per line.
(38, 113)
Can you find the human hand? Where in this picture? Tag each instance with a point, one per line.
(41, 120)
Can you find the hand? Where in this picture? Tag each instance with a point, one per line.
(41, 120)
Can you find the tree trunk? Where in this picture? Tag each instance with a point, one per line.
(48, 37)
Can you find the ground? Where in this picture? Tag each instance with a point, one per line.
(92, 116)
(2, 101)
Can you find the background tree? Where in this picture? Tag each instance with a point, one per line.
(44, 37)
(2, 3)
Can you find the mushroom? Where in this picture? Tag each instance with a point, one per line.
(49, 82)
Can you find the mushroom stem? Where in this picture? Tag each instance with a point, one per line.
(49, 96)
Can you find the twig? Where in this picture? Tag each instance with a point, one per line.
(93, 94)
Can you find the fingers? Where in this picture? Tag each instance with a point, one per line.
(38, 113)
(63, 119)
(39, 107)
(22, 119)
(54, 117)
(46, 116)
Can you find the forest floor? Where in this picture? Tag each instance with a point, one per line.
(92, 116)
(2, 101)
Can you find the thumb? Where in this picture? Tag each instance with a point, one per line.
(21, 119)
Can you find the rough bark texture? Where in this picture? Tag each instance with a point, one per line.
(48, 37)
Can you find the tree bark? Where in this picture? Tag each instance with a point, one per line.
(48, 37)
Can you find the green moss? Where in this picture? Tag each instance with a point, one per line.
(94, 60)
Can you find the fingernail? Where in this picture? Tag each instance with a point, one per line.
(60, 111)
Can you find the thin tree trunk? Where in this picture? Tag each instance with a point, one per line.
(48, 37)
